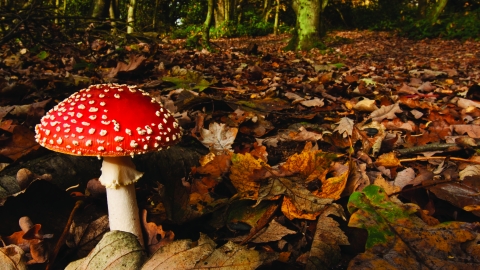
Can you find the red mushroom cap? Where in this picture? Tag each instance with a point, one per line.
(108, 120)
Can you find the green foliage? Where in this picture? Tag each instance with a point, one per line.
(458, 21)
(451, 26)
(79, 7)
(186, 31)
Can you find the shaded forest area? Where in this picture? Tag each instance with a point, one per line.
(316, 134)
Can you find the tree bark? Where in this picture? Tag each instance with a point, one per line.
(277, 14)
(206, 25)
(224, 11)
(307, 31)
(132, 9)
(113, 12)
(57, 10)
(267, 7)
(100, 8)
(155, 11)
(436, 10)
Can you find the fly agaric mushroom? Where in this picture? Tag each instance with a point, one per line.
(114, 122)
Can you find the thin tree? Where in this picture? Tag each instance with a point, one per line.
(277, 15)
(436, 10)
(206, 25)
(132, 9)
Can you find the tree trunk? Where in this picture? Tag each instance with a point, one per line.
(155, 11)
(206, 25)
(239, 10)
(224, 11)
(57, 11)
(267, 7)
(437, 9)
(113, 12)
(132, 9)
(307, 30)
(277, 12)
(100, 8)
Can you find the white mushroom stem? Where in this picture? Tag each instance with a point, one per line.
(119, 176)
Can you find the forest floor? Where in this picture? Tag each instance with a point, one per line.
(360, 155)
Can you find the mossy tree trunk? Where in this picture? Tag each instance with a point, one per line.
(308, 30)
(206, 25)
(436, 10)
(100, 8)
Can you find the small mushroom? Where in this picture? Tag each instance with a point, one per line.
(115, 122)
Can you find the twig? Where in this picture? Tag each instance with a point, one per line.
(429, 147)
(437, 157)
(62, 238)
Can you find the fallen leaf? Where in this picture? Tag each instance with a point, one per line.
(135, 61)
(234, 256)
(181, 254)
(345, 127)
(12, 257)
(83, 237)
(156, 236)
(388, 160)
(398, 239)
(386, 112)
(218, 137)
(366, 105)
(325, 252)
(21, 143)
(311, 164)
(315, 102)
(116, 250)
(472, 130)
(274, 232)
(245, 173)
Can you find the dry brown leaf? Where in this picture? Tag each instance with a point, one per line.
(389, 187)
(325, 252)
(404, 177)
(233, 256)
(181, 254)
(21, 143)
(274, 232)
(156, 236)
(345, 127)
(472, 130)
(315, 102)
(388, 160)
(85, 236)
(135, 61)
(386, 112)
(366, 105)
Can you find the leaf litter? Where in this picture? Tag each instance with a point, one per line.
(286, 138)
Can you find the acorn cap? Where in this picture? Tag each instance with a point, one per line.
(108, 120)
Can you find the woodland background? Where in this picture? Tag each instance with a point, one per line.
(318, 134)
